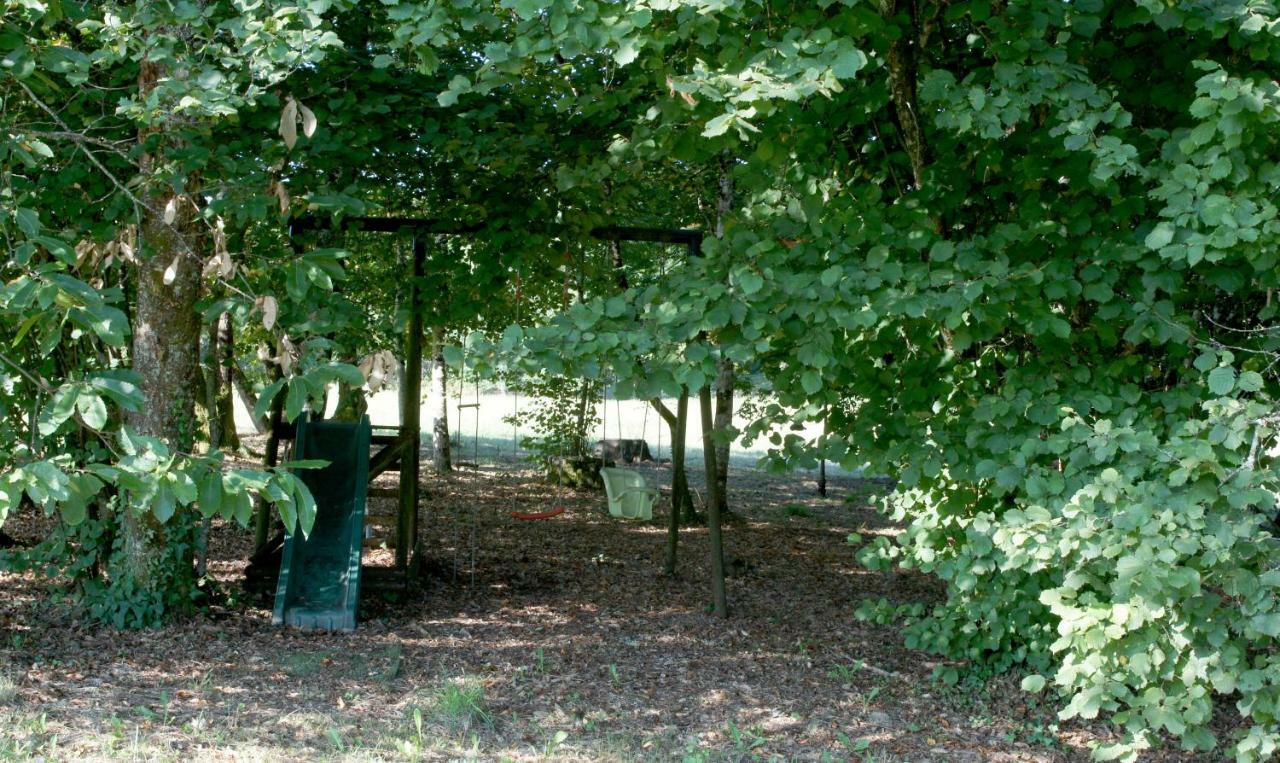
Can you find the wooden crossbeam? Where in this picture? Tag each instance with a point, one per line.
(387, 458)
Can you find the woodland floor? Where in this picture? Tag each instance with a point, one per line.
(557, 639)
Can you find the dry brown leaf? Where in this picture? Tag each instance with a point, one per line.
(282, 194)
(289, 122)
(171, 272)
(270, 309)
(308, 120)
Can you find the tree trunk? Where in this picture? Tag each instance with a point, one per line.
(441, 455)
(212, 392)
(718, 597)
(901, 61)
(154, 561)
(580, 425)
(615, 259)
(725, 377)
(681, 500)
(224, 356)
(678, 424)
(822, 465)
(723, 424)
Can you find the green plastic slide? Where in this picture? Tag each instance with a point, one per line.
(319, 585)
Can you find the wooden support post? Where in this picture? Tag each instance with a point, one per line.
(410, 416)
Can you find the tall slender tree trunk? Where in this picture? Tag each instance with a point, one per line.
(723, 421)
(681, 500)
(718, 597)
(441, 452)
(154, 561)
(224, 356)
(725, 378)
(678, 424)
(212, 391)
(822, 465)
(902, 65)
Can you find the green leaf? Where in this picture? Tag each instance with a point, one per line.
(305, 463)
(1160, 236)
(164, 505)
(750, 282)
(28, 221)
(122, 391)
(265, 399)
(1250, 381)
(1033, 683)
(347, 374)
(92, 410)
(1222, 380)
(210, 500)
(73, 512)
(9, 498)
(811, 381)
(626, 52)
(848, 63)
(306, 507)
(718, 125)
(59, 409)
(241, 507)
(296, 399)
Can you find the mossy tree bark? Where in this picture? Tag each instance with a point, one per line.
(152, 568)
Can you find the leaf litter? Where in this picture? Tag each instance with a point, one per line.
(532, 640)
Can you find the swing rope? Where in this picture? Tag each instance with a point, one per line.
(515, 513)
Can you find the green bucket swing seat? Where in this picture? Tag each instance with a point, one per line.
(630, 497)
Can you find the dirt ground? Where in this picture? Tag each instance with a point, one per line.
(557, 639)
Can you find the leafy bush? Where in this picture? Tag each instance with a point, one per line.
(560, 411)
(1141, 574)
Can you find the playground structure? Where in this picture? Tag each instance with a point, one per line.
(312, 593)
(319, 584)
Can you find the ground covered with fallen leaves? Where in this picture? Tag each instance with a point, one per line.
(557, 639)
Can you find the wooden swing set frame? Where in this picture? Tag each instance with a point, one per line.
(401, 446)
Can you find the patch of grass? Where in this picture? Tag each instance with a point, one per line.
(795, 510)
(303, 664)
(8, 688)
(554, 742)
(744, 740)
(859, 749)
(461, 705)
(540, 661)
(845, 673)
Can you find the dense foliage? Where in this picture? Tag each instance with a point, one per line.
(1019, 254)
